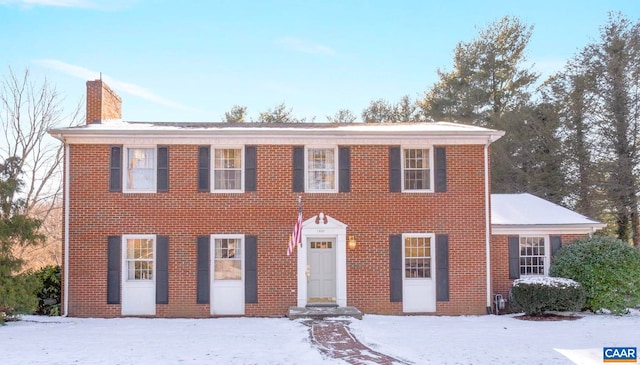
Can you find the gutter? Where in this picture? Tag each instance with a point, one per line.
(487, 213)
(66, 227)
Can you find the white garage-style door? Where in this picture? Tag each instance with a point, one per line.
(227, 278)
(138, 275)
(418, 284)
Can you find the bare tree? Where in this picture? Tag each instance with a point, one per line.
(342, 116)
(28, 109)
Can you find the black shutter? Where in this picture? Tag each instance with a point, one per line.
(344, 174)
(251, 269)
(514, 257)
(556, 243)
(395, 169)
(203, 270)
(250, 168)
(440, 160)
(298, 168)
(163, 169)
(114, 245)
(162, 270)
(115, 169)
(442, 267)
(395, 267)
(203, 168)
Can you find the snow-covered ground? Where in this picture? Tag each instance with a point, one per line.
(417, 339)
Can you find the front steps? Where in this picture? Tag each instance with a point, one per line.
(323, 311)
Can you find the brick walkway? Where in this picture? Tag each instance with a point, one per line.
(334, 339)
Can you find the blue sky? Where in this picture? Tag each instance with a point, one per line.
(193, 60)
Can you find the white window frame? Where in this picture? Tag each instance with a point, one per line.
(336, 169)
(432, 249)
(213, 256)
(125, 170)
(125, 271)
(213, 168)
(547, 253)
(429, 148)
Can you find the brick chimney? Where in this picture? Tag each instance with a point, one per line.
(102, 102)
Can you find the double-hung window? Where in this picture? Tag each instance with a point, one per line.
(534, 255)
(321, 169)
(228, 258)
(139, 258)
(417, 256)
(227, 170)
(140, 169)
(417, 174)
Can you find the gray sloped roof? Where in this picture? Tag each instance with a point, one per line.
(529, 211)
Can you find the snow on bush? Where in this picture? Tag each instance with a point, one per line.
(536, 295)
(546, 280)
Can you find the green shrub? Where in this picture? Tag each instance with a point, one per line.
(16, 296)
(608, 269)
(537, 295)
(48, 290)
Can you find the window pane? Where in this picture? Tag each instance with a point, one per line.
(141, 168)
(417, 173)
(532, 256)
(139, 260)
(227, 173)
(417, 252)
(321, 169)
(228, 259)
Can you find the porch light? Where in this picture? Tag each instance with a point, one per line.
(351, 242)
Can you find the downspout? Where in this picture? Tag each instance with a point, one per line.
(66, 228)
(487, 214)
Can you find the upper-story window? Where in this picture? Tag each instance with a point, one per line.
(416, 169)
(140, 169)
(322, 169)
(227, 169)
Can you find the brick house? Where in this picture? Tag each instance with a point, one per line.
(194, 219)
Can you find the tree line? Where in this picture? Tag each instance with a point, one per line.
(573, 139)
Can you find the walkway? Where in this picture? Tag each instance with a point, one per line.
(335, 340)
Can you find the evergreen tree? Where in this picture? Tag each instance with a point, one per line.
(280, 114)
(490, 86)
(615, 64)
(379, 111)
(16, 230)
(237, 114)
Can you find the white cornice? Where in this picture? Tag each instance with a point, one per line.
(546, 228)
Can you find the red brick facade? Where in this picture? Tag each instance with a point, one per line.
(370, 210)
(500, 281)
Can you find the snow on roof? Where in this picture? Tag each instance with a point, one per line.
(436, 127)
(526, 209)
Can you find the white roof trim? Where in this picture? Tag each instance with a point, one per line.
(354, 133)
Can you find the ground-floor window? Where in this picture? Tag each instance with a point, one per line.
(228, 259)
(417, 257)
(139, 258)
(533, 255)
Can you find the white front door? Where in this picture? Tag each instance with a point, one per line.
(322, 270)
(227, 268)
(418, 284)
(138, 275)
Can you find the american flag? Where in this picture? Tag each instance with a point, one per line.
(296, 236)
